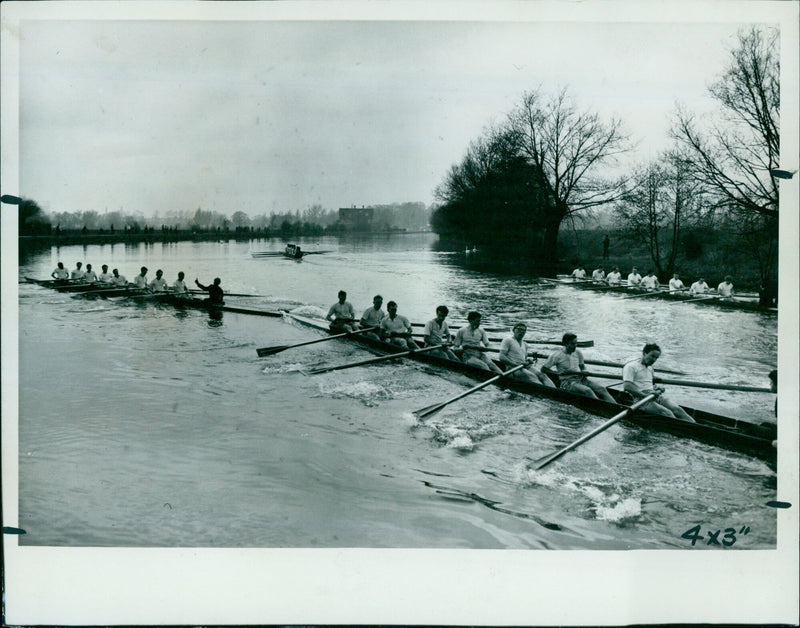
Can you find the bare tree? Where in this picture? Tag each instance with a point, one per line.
(735, 153)
(567, 146)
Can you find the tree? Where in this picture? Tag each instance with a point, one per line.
(31, 218)
(733, 155)
(566, 147)
(662, 199)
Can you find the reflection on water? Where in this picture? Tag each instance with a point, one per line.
(131, 405)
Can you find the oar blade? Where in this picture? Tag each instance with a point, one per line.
(264, 351)
(424, 413)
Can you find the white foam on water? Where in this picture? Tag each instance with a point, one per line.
(282, 368)
(629, 508)
(366, 392)
(311, 311)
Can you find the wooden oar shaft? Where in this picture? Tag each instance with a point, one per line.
(433, 409)
(277, 349)
(603, 363)
(532, 341)
(543, 462)
(382, 358)
(690, 384)
(226, 294)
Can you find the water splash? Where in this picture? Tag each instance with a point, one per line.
(368, 393)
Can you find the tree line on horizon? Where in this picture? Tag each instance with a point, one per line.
(546, 165)
(314, 220)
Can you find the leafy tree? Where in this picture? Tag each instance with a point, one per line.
(31, 218)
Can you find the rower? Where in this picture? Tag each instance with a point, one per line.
(140, 281)
(89, 276)
(599, 274)
(614, 277)
(60, 272)
(579, 273)
(568, 364)
(373, 316)
(699, 287)
(637, 378)
(215, 292)
(117, 279)
(725, 289)
(341, 314)
(179, 287)
(105, 276)
(396, 329)
(650, 282)
(514, 351)
(77, 274)
(473, 341)
(436, 332)
(634, 278)
(159, 284)
(675, 284)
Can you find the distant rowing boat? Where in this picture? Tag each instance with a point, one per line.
(714, 429)
(737, 302)
(292, 251)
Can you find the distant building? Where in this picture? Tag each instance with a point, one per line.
(356, 217)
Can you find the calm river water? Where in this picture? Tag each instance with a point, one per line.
(141, 425)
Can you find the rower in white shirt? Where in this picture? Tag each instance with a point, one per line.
(650, 282)
(699, 287)
(159, 284)
(614, 277)
(599, 274)
(105, 276)
(725, 289)
(77, 274)
(179, 287)
(372, 317)
(514, 351)
(60, 272)
(436, 332)
(396, 329)
(117, 279)
(675, 284)
(634, 278)
(579, 273)
(140, 281)
(89, 275)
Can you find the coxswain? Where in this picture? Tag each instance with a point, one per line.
(215, 292)
(569, 365)
(396, 329)
(159, 284)
(675, 284)
(436, 332)
(179, 286)
(60, 272)
(105, 276)
(725, 289)
(341, 314)
(634, 278)
(372, 317)
(699, 287)
(599, 274)
(472, 340)
(614, 277)
(638, 378)
(89, 276)
(514, 351)
(77, 274)
(140, 281)
(579, 273)
(117, 279)
(650, 282)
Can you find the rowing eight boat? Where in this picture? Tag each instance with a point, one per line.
(714, 429)
(750, 304)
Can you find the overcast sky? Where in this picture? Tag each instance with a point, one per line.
(260, 116)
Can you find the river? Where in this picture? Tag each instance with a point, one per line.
(144, 426)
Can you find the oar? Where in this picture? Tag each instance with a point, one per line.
(691, 384)
(227, 294)
(713, 296)
(370, 361)
(546, 460)
(643, 294)
(278, 348)
(433, 409)
(581, 343)
(110, 288)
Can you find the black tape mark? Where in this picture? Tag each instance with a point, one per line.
(779, 504)
(10, 530)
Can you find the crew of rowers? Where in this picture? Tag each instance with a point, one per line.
(470, 345)
(650, 281)
(140, 282)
